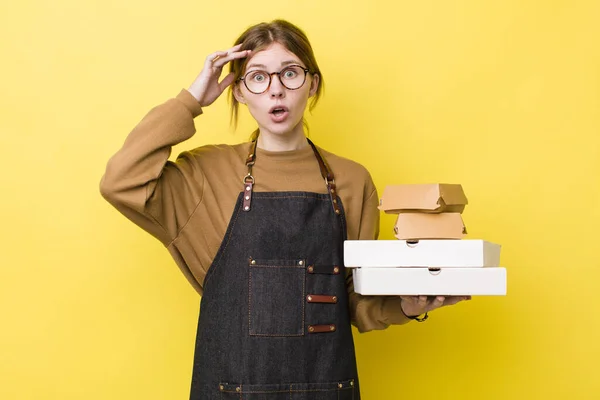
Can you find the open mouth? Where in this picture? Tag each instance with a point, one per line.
(277, 111)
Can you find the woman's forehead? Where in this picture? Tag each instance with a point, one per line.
(274, 56)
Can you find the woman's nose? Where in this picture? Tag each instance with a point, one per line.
(276, 89)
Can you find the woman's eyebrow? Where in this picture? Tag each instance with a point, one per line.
(256, 65)
(283, 63)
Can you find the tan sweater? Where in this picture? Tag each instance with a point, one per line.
(187, 204)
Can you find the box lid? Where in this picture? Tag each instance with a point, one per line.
(425, 198)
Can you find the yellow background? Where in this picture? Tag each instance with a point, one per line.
(500, 96)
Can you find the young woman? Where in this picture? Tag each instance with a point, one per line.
(258, 228)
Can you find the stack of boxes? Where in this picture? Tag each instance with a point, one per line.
(430, 255)
(426, 211)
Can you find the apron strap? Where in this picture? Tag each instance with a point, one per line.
(323, 166)
(249, 179)
(328, 176)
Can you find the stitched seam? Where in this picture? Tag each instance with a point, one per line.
(250, 301)
(157, 222)
(193, 211)
(188, 220)
(272, 335)
(303, 301)
(285, 391)
(283, 263)
(290, 197)
(331, 386)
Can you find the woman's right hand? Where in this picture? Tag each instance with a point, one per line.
(207, 88)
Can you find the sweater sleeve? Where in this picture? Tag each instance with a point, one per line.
(140, 182)
(372, 312)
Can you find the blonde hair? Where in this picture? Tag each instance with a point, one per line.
(261, 36)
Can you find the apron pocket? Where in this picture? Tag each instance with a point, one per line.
(276, 297)
(343, 390)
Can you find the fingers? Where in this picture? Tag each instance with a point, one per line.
(211, 58)
(219, 58)
(451, 300)
(214, 56)
(427, 304)
(413, 305)
(227, 57)
(235, 48)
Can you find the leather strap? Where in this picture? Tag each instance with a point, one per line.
(323, 166)
(321, 298)
(328, 176)
(249, 179)
(323, 269)
(321, 328)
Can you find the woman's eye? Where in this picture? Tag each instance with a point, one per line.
(290, 74)
(258, 77)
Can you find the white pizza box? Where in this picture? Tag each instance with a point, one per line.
(425, 281)
(449, 253)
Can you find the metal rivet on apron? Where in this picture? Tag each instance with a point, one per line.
(247, 188)
(311, 269)
(311, 329)
(221, 387)
(336, 270)
(340, 385)
(337, 211)
(238, 389)
(309, 298)
(334, 298)
(332, 328)
(253, 262)
(351, 383)
(335, 200)
(332, 191)
(247, 197)
(300, 262)
(247, 208)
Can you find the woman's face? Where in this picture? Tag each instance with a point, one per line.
(278, 110)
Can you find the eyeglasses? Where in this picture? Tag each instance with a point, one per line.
(292, 78)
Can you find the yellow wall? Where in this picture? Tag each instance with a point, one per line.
(502, 96)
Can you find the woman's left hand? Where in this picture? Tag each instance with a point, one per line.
(413, 306)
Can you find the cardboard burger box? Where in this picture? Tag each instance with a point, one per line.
(429, 226)
(426, 211)
(423, 198)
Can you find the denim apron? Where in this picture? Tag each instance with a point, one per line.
(274, 320)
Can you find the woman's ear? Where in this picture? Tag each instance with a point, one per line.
(314, 85)
(237, 93)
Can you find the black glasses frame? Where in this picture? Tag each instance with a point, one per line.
(306, 71)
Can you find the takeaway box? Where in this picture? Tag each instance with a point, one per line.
(431, 282)
(430, 226)
(421, 253)
(425, 267)
(423, 198)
